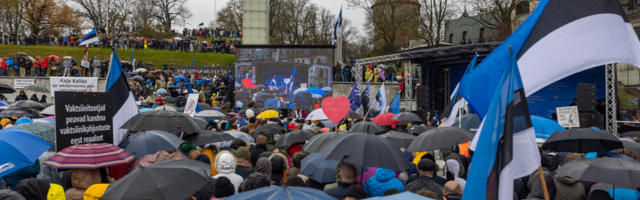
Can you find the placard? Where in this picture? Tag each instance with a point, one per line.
(568, 116)
(83, 117)
(22, 83)
(190, 106)
(85, 64)
(73, 84)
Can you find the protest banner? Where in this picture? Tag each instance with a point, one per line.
(73, 84)
(82, 117)
(22, 83)
(190, 106)
(568, 116)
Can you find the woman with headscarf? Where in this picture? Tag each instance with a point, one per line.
(453, 173)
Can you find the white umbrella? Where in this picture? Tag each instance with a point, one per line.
(317, 96)
(141, 70)
(51, 110)
(327, 89)
(299, 90)
(177, 38)
(211, 114)
(317, 114)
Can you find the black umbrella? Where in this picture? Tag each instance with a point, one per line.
(150, 142)
(268, 130)
(294, 137)
(138, 78)
(367, 127)
(607, 170)
(439, 138)
(6, 89)
(354, 115)
(173, 179)
(319, 169)
(207, 137)
(170, 121)
(419, 129)
(400, 139)
(211, 115)
(204, 106)
(22, 54)
(631, 134)
(14, 113)
(27, 104)
(201, 122)
(582, 140)
(470, 122)
(316, 142)
(407, 118)
(631, 145)
(365, 150)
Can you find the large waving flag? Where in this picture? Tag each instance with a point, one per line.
(364, 98)
(457, 101)
(395, 104)
(558, 39)
(337, 29)
(122, 101)
(506, 147)
(354, 98)
(89, 38)
(381, 100)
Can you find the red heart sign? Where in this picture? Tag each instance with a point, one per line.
(335, 108)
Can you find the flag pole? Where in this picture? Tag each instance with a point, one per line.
(543, 183)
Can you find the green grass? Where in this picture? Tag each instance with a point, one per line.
(158, 57)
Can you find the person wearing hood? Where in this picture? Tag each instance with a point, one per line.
(453, 169)
(244, 166)
(264, 166)
(33, 189)
(34, 97)
(279, 167)
(211, 151)
(225, 163)
(383, 180)
(21, 96)
(568, 188)
(260, 147)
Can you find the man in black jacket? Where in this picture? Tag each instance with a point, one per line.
(346, 178)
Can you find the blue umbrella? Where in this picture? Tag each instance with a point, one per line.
(281, 193)
(316, 90)
(141, 110)
(317, 168)
(4, 103)
(19, 149)
(302, 98)
(273, 103)
(23, 120)
(544, 127)
(404, 195)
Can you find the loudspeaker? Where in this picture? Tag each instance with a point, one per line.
(422, 97)
(586, 97)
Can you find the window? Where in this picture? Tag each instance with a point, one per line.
(522, 8)
(451, 38)
(481, 36)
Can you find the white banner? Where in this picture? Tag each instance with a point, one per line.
(568, 116)
(190, 106)
(22, 83)
(74, 84)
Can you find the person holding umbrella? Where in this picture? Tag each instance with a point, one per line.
(44, 65)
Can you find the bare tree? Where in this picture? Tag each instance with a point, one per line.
(142, 14)
(11, 16)
(230, 17)
(109, 15)
(38, 14)
(433, 13)
(169, 11)
(496, 14)
(300, 22)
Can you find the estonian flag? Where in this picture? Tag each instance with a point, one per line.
(506, 147)
(89, 38)
(337, 29)
(354, 97)
(558, 39)
(122, 101)
(381, 100)
(457, 101)
(395, 104)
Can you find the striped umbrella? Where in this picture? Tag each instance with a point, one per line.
(89, 156)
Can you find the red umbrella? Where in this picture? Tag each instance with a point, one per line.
(385, 119)
(89, 156)
(54, 57)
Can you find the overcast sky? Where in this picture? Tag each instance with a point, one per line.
(202, 11)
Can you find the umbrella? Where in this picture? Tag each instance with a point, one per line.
(23, 120)
(354, 115)
(204, 137)
(316, 142)
(400, 139)
(367, 127)
(150, 142)
(281, 193)
(317, 114)
(138, 78)
(439, 138)
(142, 110)
(240, 135)
(211, 115)
(204, 106)
(631, 134)
(316, 90)
(407, 118)
(170, 121)
(22, 54)
(582, 140)
(89, 156)
(45, 120)
(294, 137)
(53, 57)
(269, 128)
(316, 96)
(36, 88)
(274, 103)
(385, 119)
(14, 113)
(268, 114)
(161, 91)
(544, 127)
(631, 145)
(51, 110)
(419, 129)
(167, 108)
(150, 63)
(327, 89)
(141, 70)
(263, 96)
(27, 104)
(608, 170)
(317, 168)
(404, 195)
(45, 131)
(202, 122)
(469, 122)
(67, 57)
(177, 38)
(19, 149)
(302, 98)
(4, 88)
(170, 179)
(300, 90)
(4, 104)
(365, 150)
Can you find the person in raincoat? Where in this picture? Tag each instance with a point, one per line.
(225, 163)
(81, 180)
(383, 180)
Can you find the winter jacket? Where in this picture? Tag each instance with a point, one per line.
(28, 172)
(568, 188)
(339, 191)
(424, 183)
(225, 163)
(535, 188)
(383, 180)
(255, 154)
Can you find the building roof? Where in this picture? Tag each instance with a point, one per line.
(449, 56)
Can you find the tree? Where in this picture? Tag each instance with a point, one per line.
(299, 22)
(11, 16)
(230, 17)
(38, 15)
(497, 15)
(109, 15)
(142, 14)
(433, 13)
(65, 17)
(169, 11)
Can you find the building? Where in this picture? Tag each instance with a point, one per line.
(395, 18)
(255, 22)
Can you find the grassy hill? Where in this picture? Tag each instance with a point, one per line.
(158, 57)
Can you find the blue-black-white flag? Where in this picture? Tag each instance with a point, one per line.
(395, 104)
(457, 102)
(337, 29)
(560, 38)
(354, 97)
(506, 144)
(364, 98)
(122, 101)
(89, 38)
(380, 103)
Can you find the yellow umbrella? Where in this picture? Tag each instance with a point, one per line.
(268, 114)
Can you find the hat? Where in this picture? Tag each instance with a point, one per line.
(426, 164)
(292, 126)
(187, 148)
(243, 152)
(33, 188)
(224, 187)
(95, 191)
(56, 192)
